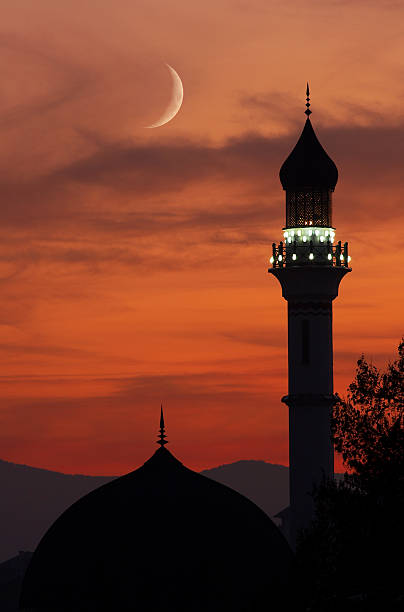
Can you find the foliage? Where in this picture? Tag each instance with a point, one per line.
(368, 426)
(350, 558)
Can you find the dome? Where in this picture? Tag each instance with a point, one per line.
(308, 166)
(159, 538)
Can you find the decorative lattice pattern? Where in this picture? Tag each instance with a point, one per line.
(304, 208)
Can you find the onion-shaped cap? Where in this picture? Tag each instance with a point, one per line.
(308, 166)
(160, 538)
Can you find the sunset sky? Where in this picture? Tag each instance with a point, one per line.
(133, 262)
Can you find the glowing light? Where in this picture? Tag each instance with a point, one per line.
(329, 256)
(349, 258)
(341, 257)
(289, 239)
(326, 233)
(310, 232)
(294, 256)
(299, 233)
(316, 232)
(271, 260)
(311, 256)
(304, 238)
(285, 234)
(321, 238)
(279, 257)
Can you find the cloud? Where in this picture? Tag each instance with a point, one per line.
(125, 203)
(251, 161)
(134, 402)
(21, 350)
(244, 166)
(259, 337)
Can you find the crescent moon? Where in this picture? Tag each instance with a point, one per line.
(177, 97)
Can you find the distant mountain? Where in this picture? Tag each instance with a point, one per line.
(31, 498)
(30, 501)
(266, 484)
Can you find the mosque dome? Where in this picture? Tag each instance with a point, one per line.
(308, 166)
(162, 537)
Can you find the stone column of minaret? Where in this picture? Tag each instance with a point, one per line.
(309, 267)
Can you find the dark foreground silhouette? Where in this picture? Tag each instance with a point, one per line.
(161, 537)
(32, 498)
(351, 557)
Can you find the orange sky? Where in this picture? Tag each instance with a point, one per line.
(133, 262)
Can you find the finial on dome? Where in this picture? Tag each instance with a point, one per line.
(162, 436)
(308, 111)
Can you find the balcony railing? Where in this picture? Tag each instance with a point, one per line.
(309, 254)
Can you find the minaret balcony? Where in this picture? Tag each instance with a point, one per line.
(308, 233)
(316, 250)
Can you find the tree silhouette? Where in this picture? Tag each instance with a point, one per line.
(351, 556)
(368, 426)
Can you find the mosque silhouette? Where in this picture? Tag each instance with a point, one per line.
(160, 538)
(166, 538)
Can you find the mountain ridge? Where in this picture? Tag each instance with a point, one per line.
(32, 498)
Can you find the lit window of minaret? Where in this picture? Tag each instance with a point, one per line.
(309, 265)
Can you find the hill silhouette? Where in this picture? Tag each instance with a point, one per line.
(32, 498)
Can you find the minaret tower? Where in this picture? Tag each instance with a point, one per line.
(309, 266)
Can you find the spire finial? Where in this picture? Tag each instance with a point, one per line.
(308, 111)
(162, 436)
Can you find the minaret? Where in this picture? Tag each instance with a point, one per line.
(309, 267)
